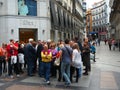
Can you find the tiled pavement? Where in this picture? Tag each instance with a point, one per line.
(105, 75)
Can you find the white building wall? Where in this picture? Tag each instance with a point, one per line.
(3, 8)
(10, 24)
(12, 7)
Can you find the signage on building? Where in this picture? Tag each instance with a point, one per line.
(28, 23)
(103, 33)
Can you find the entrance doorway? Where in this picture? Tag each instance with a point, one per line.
(25, 34)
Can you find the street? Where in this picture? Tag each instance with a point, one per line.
(105, 75)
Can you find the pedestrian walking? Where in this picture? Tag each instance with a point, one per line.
(40, 64)
(76, 62)
(113, 44)
(21, 57)
(66, 53)
(12, 53)
(110, 43)
(46, 56)
(1, 59)
(54, 53)
(93, 51)
(30, 54)
(86, 58)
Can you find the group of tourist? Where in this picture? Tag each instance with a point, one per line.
(39, 57)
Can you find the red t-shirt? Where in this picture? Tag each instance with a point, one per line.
(11, 51)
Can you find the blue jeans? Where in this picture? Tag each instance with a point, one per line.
(65, 70)
(79, 72)
(47, 67)
(40, 68)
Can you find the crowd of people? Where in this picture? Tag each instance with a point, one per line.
(39, 57)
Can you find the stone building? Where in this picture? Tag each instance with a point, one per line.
(89, 29)
(100, 19)
(40, 19)
(115, 19)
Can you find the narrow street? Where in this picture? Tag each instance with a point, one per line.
(105, 75)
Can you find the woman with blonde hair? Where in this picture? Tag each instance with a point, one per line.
(76, 61)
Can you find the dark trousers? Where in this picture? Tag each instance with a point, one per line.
(109, 47)
(12, 67)
(72, 70)
(40, 68)
(0, 68)
(3, 68)
(47, 67)
(30, 67)
(53, 69)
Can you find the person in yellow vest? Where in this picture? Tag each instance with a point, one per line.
(46, 56)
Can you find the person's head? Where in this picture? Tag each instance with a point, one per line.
(11, 40)
(67, 41)
(52, 45)
(34, 44)
(30, 40)
(4, 45)
(71, 43)
(75, 46)
(93, 43)
(45, 47)
(86, 40)
(76, 39)
(85, 44)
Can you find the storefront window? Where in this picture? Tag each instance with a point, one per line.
(27, 7)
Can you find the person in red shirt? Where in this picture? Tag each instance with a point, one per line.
(12, 52)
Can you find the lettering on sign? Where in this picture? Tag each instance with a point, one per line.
(28, 23)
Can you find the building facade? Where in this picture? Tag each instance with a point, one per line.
(39, 19)
(84, 16)
(89, 29)
(100, 19)
(115, 19)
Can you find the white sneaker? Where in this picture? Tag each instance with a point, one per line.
(48, 82)
(18, 75)
(12, 76)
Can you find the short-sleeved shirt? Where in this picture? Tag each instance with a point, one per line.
(11, 51)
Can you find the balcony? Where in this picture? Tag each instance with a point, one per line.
(59, 1)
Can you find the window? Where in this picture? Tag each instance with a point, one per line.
(27, 7)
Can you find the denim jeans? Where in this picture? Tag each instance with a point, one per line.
(40, 68)
(65, 70)
(47, 67)
(79, 72)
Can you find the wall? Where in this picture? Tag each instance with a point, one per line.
(10, 24)
(10, 21)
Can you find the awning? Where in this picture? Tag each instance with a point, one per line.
(92, 32)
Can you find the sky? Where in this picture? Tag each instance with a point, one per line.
(91, 2)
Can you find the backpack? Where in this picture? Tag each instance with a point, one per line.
(1, 52)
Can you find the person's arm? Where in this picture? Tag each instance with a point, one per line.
(74, 55)
(49, 56)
